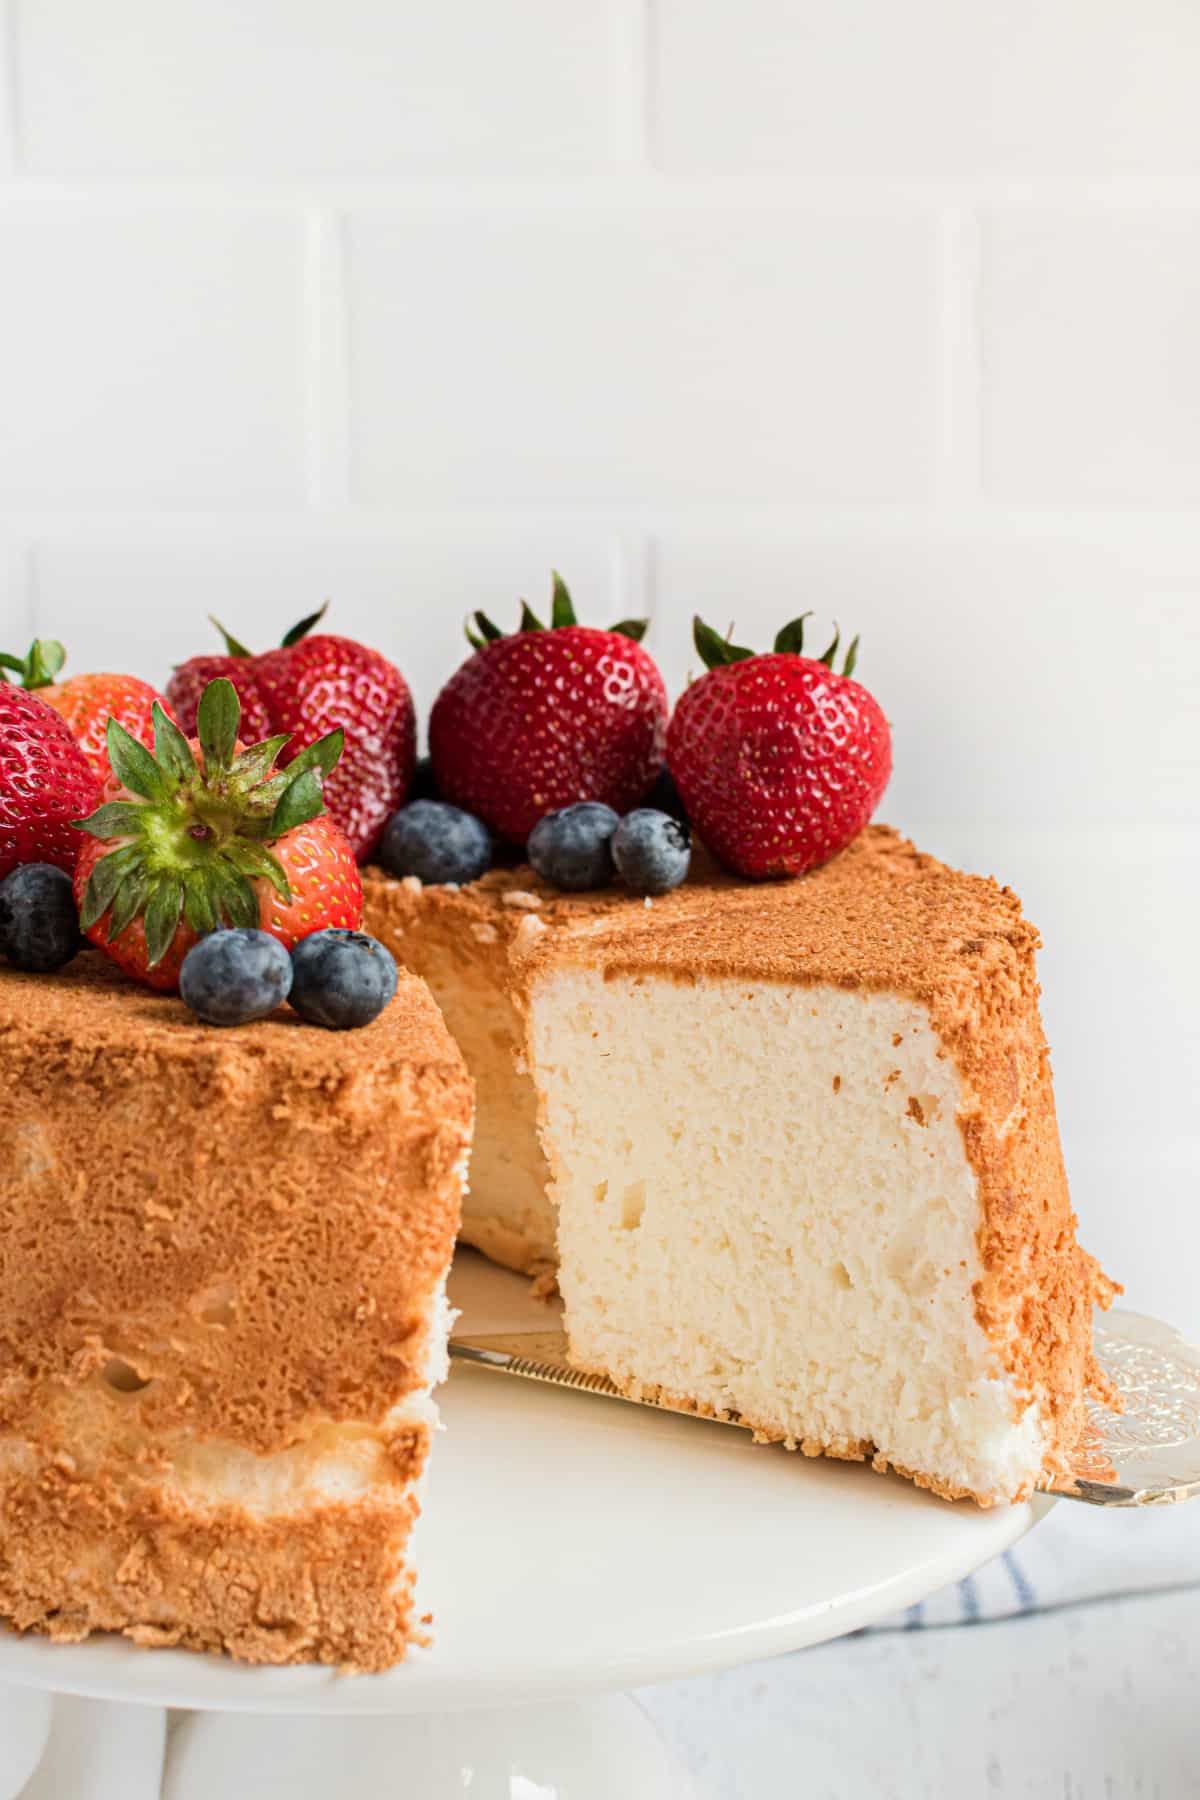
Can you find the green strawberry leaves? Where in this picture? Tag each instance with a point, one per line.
(323, 754)
(41, 667)
(234, 646)
(716, 652)
(133, 765)
(304, 627)
(299, 802)
(480, 631)
(217, 720)
(172, 751)
(197, 835)
(562, 610)
(789, 640)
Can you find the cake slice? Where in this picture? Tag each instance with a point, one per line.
(464, 942)
(222, 1315)
(802, 1152)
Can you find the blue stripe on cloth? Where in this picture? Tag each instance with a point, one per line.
(969, 1595)
(914, 1617)
(1022, 1587)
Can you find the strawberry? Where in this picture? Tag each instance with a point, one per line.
(538, 720)
(88, 702)
(188, 846)
(45, 783)
(780, 759)
(306, 688)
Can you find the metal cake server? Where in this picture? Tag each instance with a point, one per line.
(1149, 1455)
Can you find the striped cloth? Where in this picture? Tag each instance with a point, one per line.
(1077, 1554)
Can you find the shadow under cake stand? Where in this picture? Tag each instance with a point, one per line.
(570, 1548)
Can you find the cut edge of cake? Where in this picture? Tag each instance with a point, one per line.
(957, 1124)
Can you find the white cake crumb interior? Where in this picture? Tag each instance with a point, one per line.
(765, 1206)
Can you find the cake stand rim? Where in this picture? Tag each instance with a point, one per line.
(110, 1668)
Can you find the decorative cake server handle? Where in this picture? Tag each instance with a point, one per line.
(1148, 1455)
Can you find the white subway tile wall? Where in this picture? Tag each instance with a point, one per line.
(218, 88)
(886, 311)
(615, 353)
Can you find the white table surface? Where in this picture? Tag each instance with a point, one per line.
(1096, 1702)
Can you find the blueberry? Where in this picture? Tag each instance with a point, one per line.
(652, 851)
(232, 977)
(664, 796)
(572, 849)
(39, 926)
(436, 842)
(341, 979)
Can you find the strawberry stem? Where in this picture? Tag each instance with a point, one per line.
(194, 837)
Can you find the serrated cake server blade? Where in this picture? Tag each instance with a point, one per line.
(1148, 1455)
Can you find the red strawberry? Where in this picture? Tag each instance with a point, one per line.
(188, 682)
(780, 760)
(306, 688)
(88, 702)
(45, 783)
(538, 720)
(186, 847)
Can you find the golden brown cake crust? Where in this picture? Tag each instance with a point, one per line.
(213, 1206)
(217, 1244)
(329, 1586)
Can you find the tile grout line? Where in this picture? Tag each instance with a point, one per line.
(30, 590)
(958, 459)
(326, 362)
(630, 96)
(10, 98)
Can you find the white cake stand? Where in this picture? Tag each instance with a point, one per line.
(571, 1547)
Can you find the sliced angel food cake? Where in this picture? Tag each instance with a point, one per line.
(222, 1268)
(798, 1156)
(806, 1167)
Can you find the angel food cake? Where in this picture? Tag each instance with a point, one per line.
(798, 1155)
(221, 1316)
(777, 1119)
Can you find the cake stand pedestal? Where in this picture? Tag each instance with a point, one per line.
(570, 1548)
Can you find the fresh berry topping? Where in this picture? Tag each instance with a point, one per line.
(540, 719)
(39, 926)
(652, 851)
(232, 977)
(308, 687)
(572, 848)
(437, 843)
(45, 783)
(186, 688)
(228, 839)
(341, 979)
(664, 796)
(780, 759)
